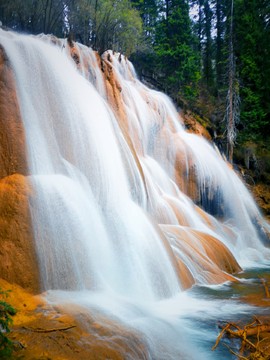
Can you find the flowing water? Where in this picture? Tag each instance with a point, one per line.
(125, 209)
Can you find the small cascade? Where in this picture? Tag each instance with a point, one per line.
(180, 163)
(128, 209)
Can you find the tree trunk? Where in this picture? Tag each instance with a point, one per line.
(231, 120)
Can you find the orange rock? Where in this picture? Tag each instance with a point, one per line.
(194, 127)
(205, 216)
(187, 280)
(68, 331)
(13, 157)
(261, 194)
(179, 213)
(18, 260)
(21, 300)
(204, 256)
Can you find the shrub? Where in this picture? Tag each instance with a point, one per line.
(6, 311)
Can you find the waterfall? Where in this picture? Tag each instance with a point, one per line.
(123, 206)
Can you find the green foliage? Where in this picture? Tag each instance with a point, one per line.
(186, 59)
(6, 311)
(170, 61)
(103, 24)
(176, 57)
(174, 42)
(106, 24)
(207, 53)
(148, 10)
(34, 16)
(253, 61)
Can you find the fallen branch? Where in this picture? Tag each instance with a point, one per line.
(220, 336)
(239, 335)
(49, 330)
(240, 357)
(249, 330)
(258, 320)
(265, 287)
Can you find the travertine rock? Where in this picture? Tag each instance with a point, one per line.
(13, 157)
(18, 260)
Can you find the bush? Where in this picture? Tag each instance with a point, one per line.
(6, 311)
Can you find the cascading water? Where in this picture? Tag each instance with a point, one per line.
(112, 208)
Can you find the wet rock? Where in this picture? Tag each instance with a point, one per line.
(18, 260)
(13, 157)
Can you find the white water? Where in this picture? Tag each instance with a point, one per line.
(90, 206)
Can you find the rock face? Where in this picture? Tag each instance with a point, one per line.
(261, 193)
(18, 260)
(13, 158)
(194, 127)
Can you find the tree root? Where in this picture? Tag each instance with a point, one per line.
(257, 352)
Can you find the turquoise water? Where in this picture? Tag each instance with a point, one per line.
(244, 295)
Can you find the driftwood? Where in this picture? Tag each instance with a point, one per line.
(49, 330)
(265, 287)
(250, 331)
(253, 329)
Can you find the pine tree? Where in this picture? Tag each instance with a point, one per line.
(220, 14)
(148, 12)
(177, 58)
(208, 47)
(253, 60)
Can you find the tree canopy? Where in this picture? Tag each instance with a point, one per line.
(198, 51)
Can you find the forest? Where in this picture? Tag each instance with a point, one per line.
(211, 56)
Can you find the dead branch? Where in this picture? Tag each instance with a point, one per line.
(220, 336)
(239, 335)
(250, 330)
(231, 324)
(265, 287)
(255, 328)
(239, 356)
(258, 320)
(49, 330)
